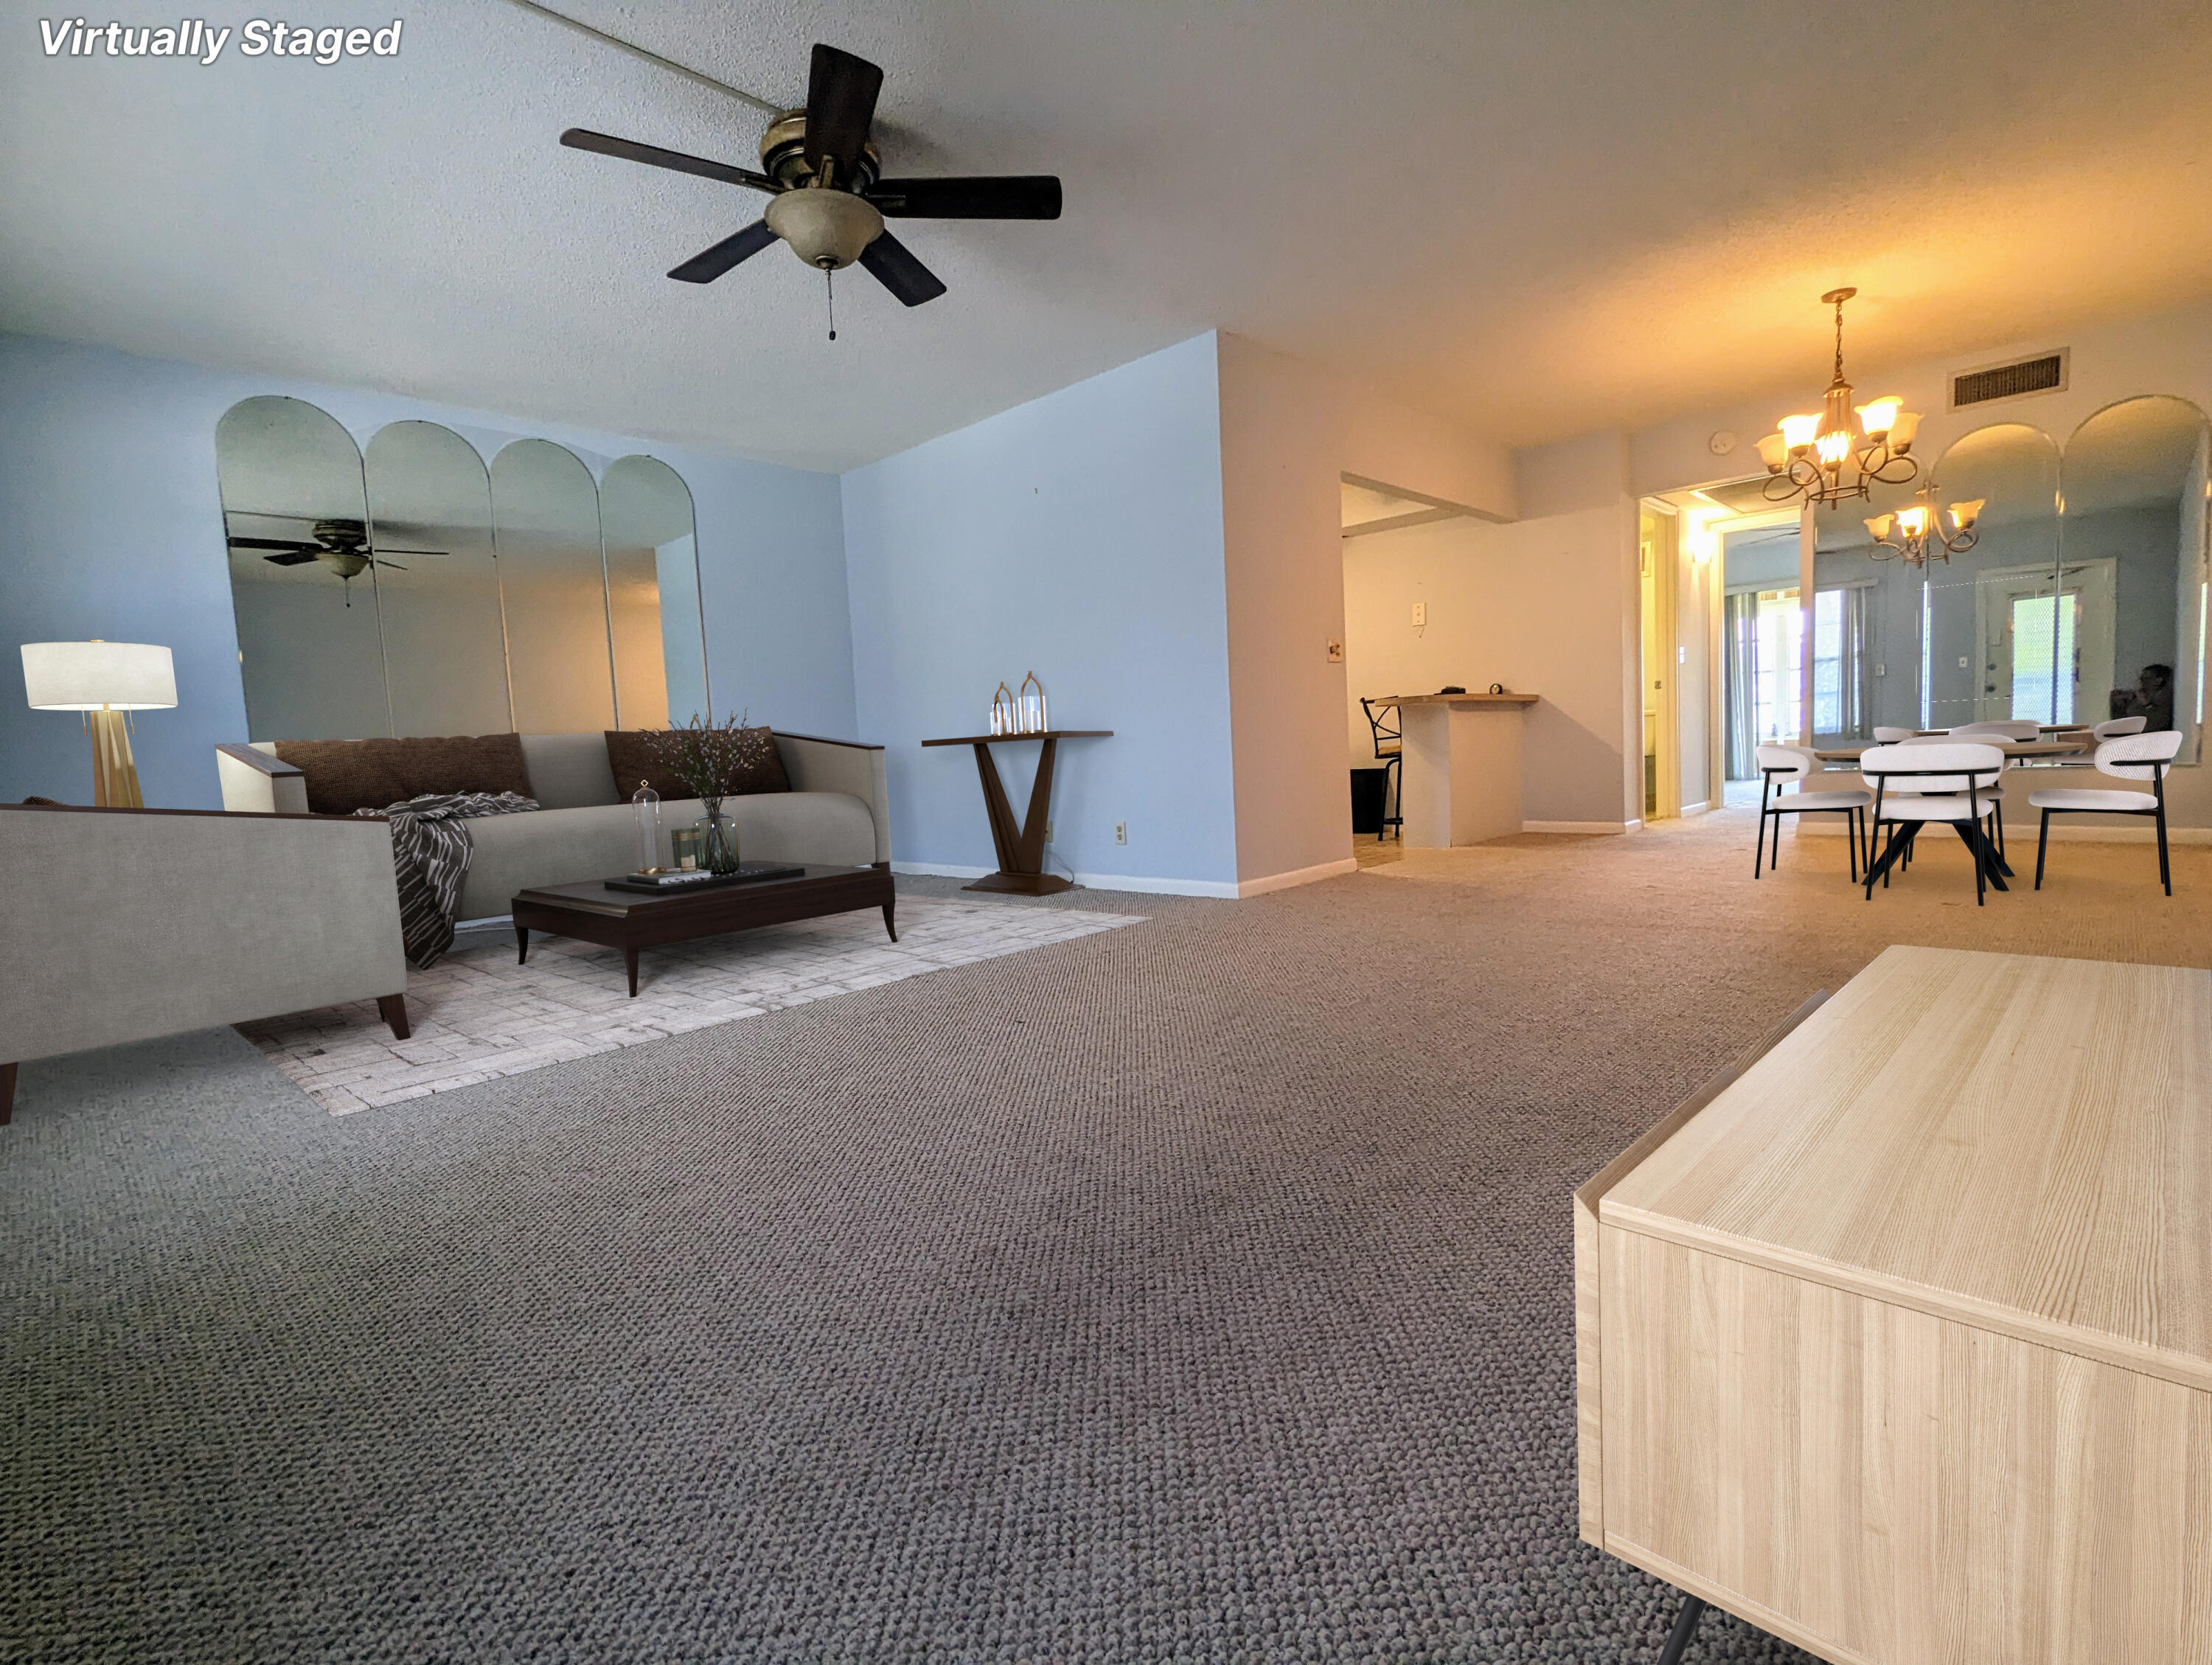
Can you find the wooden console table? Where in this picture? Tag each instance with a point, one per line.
(1896, 1339)
(1021, 853)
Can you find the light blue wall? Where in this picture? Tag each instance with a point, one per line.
(110, 526)
(1080, 536)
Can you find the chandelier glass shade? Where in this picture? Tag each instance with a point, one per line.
(1842, 450)
(1920, 535)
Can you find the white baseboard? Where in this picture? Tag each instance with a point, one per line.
(1144, 885)
(1584, 827)
(1140, 883)
(1260, 887)
(1689, 809)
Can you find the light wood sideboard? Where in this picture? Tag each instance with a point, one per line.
(1896, 1340)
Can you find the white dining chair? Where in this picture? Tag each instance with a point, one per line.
(1890, 736)
(2126, 757)
(1995, 796)
(2005, 729)
(1778, 765)
(1938, 779)
(2120, 725)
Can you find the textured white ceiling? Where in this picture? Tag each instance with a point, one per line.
(1540, 218)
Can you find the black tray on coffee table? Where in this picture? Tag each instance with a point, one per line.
(593, 911)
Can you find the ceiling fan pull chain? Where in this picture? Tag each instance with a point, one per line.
(830, 279)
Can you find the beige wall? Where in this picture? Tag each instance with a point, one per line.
(1281, 435)
(1538, 606)
(1289, 431)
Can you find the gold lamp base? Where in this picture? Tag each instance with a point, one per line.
(115, 772)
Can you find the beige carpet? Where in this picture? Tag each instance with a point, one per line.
(2099, 901)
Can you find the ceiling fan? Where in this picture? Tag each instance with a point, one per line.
(827, 197)
(341, 546)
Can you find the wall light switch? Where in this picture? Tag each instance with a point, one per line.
(1120, 832)
(1881, 670)
(1420, 614)
(1336, 650)
(1047, 832)
(1681, 656)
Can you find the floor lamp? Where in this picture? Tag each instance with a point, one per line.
(105, 680)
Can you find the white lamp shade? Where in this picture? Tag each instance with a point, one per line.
(85, 676)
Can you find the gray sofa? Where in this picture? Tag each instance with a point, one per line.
(123, 924)
(836, 814)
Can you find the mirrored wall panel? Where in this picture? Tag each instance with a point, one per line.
(417, 592)
(652, 594)
(437, 582)
(302, 574)
(545, 512)
(1989, 652)
(2129, 600)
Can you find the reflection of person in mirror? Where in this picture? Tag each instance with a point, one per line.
(2151, 699)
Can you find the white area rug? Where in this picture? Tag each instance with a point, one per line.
(476, 1014)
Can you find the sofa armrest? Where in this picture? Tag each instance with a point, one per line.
(260, 782)
(135, 923)
(818, 765)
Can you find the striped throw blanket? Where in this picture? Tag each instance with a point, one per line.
(431, 852)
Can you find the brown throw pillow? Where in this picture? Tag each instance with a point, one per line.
(633, 759)
(631, 755)
(345, 775)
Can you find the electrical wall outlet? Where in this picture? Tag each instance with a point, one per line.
(1336, 650)
(1420, 614)
(1120, 832)
(1881, 670)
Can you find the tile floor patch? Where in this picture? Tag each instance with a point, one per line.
(477, 1015)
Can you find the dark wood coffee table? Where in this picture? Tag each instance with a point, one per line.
(629, 920)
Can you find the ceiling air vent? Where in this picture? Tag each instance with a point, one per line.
(2045, 374)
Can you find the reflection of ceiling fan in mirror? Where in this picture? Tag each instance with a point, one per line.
(827, 199)
(341, 546)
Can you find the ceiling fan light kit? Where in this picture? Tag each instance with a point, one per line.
(827, 197)
(825, 228)
(1841, 450)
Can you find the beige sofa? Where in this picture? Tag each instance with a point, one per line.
(123, 924)
(836, 814)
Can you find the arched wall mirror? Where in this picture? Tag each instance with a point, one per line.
(653, 592)
(420, 593)
(1981, 657)
(302, 582)
(2129, 600)
(545, 513)
(445, 644)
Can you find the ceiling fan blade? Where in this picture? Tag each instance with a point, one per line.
(1003, 197)
(395, 550)
(707, 265)
(840, 102)
(292, 558)
(272, 544)
(582, 138)
(393, 565)
(894, 267)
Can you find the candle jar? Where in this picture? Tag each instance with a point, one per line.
(687, 849)
(645, 803)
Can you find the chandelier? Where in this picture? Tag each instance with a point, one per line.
(1920, 530)
(1843, 450)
